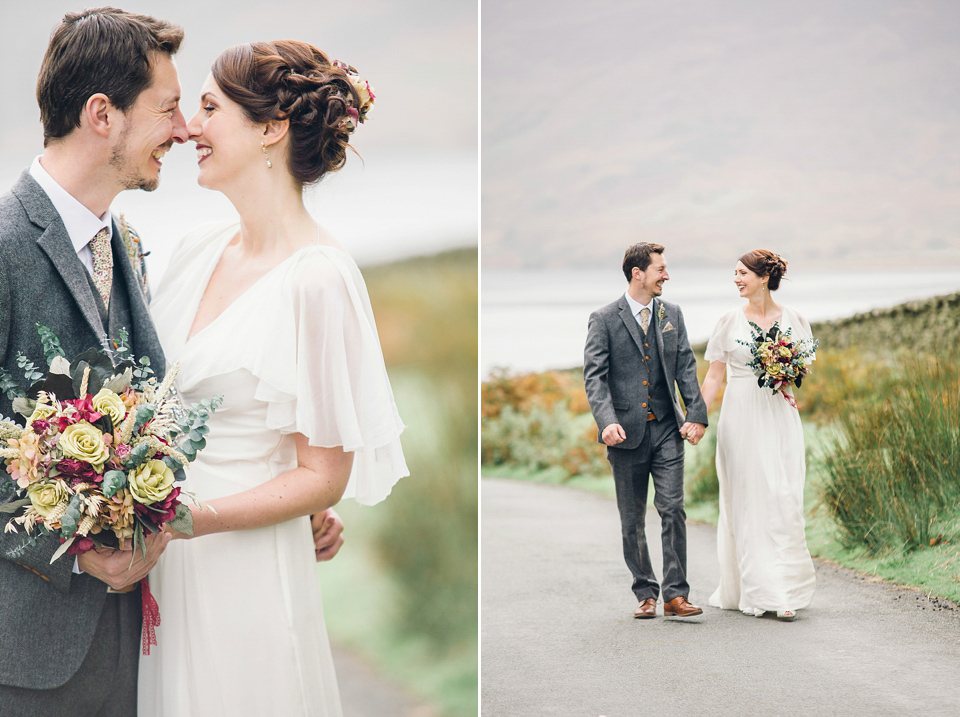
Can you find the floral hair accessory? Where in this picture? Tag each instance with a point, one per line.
(356, 115)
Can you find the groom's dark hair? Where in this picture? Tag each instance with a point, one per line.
(103, 50)
(638, 256)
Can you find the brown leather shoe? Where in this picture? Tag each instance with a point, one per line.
(646, 609)
(679, 607)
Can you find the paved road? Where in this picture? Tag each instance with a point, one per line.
(559, 638)
(365, 693)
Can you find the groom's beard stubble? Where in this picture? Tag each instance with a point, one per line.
(130, 178)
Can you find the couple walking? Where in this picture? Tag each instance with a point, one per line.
(267, 311)
(637, 354)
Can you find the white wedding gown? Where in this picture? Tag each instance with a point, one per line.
(242, 629)
(761, 544)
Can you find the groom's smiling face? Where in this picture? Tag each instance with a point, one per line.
(651, 280)
(151, 126)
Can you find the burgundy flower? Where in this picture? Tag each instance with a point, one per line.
(80, 471)
(80, 546)
(40, 426)
(167, 508)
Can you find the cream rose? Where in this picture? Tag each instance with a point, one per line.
(366, 94)
(151, 482)
(85, 443)
(41, 411)
(109, 403)
(45, 497)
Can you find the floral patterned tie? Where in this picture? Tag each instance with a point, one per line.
(644, 318)
(102, 264)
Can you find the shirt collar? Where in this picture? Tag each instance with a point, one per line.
(635, 305)
(81, 224)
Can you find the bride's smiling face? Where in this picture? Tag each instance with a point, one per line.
(748, 283)
(228, 143)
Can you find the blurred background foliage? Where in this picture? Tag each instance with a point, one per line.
(881, 413)
(403, 590)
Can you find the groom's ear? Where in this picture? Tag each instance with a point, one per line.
(100, 115)
(274, 131)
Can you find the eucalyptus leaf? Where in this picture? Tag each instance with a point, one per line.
(144, 414)
(172, 463)
(137, 456)
(182, 522)
(71, 519)
(113, 481)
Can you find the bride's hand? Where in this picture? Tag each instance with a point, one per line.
(327, 534)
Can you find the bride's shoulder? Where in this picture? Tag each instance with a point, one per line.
(201, 238)
(792, 317)
(323, 270)
(729, 318)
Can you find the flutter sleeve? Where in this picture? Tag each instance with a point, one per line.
(322, 372)
(802, 331)
(722, 341)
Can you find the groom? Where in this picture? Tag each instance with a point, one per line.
(109, 96)
(636, 354)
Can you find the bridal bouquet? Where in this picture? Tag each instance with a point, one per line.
(96, 462)
(778, 360)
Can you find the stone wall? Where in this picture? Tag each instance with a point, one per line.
(928, 326)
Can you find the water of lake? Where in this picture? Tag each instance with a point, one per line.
(537, 320)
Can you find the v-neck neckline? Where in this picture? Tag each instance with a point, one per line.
(778, 322)
(206, 283)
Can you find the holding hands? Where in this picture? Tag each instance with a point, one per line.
(692, 432)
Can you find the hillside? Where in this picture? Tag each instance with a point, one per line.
(829, 132)
(930, 326)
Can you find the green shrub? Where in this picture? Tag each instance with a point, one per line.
(429, 535)
(543, 437)
(702, 483)
(890, 479)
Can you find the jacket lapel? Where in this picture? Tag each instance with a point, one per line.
(655, 322)
(55, 242)
(633, 328)
(144, 331)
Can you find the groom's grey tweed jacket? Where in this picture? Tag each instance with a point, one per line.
(613, 368)
(48, 614)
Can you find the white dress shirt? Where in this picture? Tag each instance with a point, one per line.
(82, 224)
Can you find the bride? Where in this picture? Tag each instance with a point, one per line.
(272, 314)
(764, 562)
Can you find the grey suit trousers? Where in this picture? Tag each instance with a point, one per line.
(660, 455)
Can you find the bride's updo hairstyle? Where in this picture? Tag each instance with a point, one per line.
(765, 263)
(293, 80)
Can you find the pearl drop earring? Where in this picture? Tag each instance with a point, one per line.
(266, 156)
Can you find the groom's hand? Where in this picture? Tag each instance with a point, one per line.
(114, 567)
(693, 432)
(613, 434)
(327, 534)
